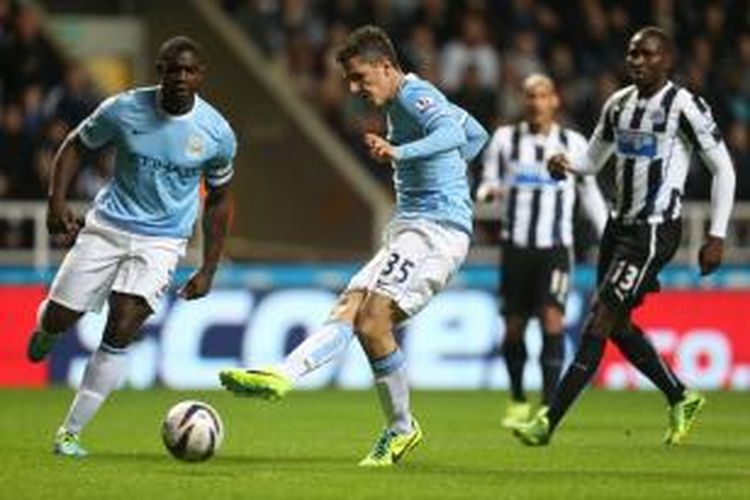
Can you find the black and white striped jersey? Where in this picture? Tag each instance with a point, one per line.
(652, 140)
(537, 210)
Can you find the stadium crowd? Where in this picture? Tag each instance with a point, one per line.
(479, 51)
(42, 96)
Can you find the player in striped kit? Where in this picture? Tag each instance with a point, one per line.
(651, 128)
(537, 235)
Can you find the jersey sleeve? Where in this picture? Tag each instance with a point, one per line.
(592, 202)
(440, 124)
(476, 137)
(697, 125)
(100, 127)
(221, 168)
(426, 105)
(698, 128)
(602, 143)
(493, 157)
(577, 149)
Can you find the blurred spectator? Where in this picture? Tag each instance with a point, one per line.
(39, 107)
(350, 13)
(523, 55)
(300, 63)
(475, 98)
(739, 146)
(473, 48)
(438, 17)
(260, 20)
(16, 152)
(597, 45)
(30, 57)
(33, 113)
(72, 99)
(421, 54)
(738, 81)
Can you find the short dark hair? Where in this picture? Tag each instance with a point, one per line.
(176, 45)
(664, 39)
(370, 43)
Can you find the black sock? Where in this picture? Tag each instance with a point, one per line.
(515, 360)
(576, 377)
(638, 350)
(553, 352)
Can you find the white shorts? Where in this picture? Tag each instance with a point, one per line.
(106, 258)
(416, 261)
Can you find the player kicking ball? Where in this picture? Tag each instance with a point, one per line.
(429, 142)
(166, 138)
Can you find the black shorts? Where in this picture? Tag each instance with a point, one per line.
(533, 278)
(630, 258)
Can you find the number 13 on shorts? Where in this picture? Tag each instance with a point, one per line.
(624, 278)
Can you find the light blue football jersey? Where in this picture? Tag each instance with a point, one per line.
(159, 161)
(430, 135)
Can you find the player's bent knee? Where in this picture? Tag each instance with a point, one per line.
(602, 320)
(552, 319)
(515, 327)
(54, 317)
(372, 325)
(347, 305)
(120, 337)
(121, 332)
(367, 325)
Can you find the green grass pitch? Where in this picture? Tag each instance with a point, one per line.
(307, 446)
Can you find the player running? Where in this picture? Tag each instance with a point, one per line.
(651, 128)
(428, 145)
(166, 138)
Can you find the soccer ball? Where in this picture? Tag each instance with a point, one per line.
(192, 431)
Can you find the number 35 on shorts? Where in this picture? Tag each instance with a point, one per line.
(397, 269)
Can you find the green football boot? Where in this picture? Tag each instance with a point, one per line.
(535, 432)
(516, 413)
(682, 415)
(266, 383)
(392, 447)
(68, 444)
(40, 344)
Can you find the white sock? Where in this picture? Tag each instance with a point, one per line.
(317, 349)
(104, 373)
(392, 384)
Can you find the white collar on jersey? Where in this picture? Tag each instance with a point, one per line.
(169, 116)
(659, 92)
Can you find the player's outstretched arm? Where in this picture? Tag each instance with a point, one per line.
(60, 218)
(215, 226)
(476, 138)
(592, 203)
(443, 134)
